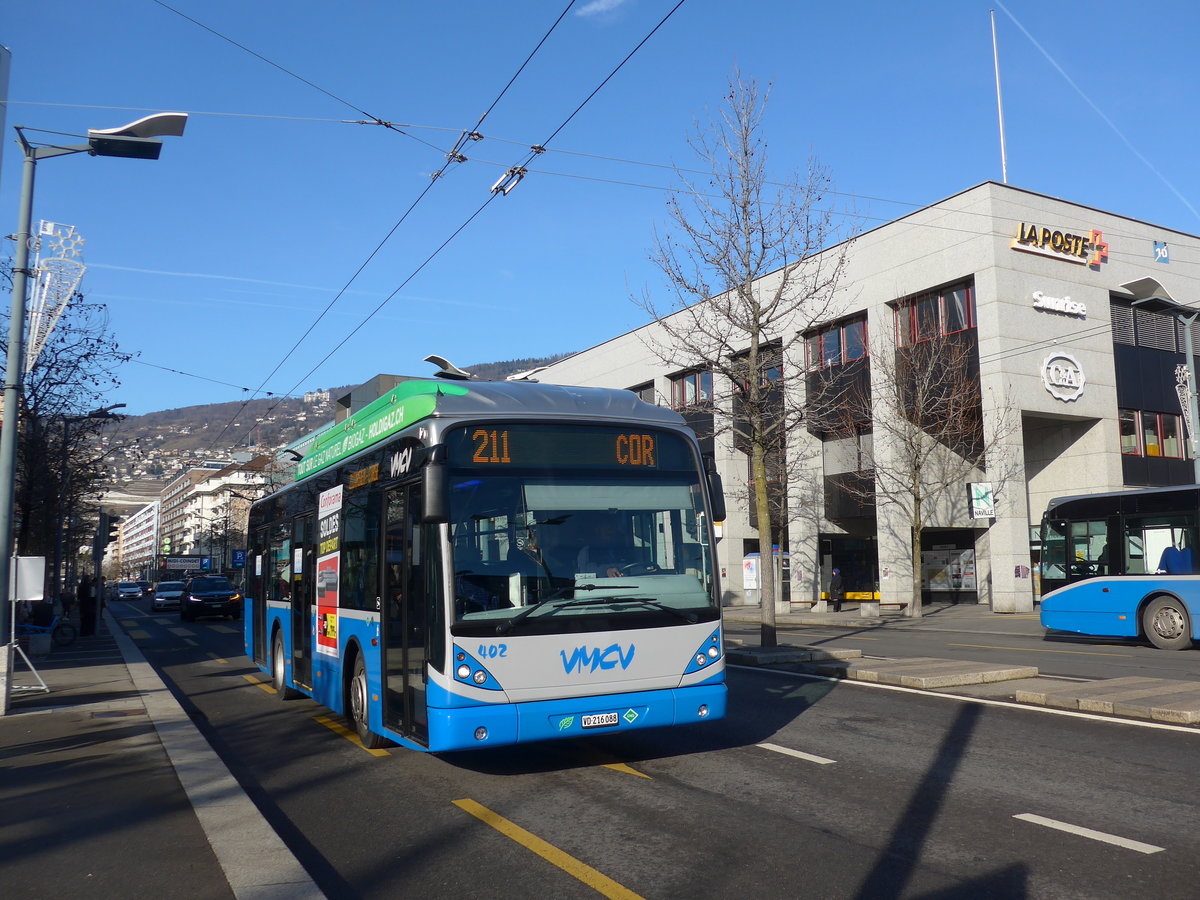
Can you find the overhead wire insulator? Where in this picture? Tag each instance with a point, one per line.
(509, 180)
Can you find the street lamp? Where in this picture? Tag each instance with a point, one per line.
(137, 140)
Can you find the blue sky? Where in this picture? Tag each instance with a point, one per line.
(216, 259)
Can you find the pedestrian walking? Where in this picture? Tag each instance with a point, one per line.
(837, 590)
(65, 599)
(87, 605)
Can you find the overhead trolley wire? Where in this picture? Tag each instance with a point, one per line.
(493, 194)
(453, 156)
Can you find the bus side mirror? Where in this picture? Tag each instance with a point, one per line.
(434, 499)
(716, 490)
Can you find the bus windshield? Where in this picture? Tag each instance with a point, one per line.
(545, 549)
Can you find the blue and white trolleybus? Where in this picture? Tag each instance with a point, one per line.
(469, 564)
(1124, 564)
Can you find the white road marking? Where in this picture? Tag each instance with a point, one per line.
(1113, 839)
(808, 757)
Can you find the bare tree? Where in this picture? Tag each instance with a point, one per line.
(919, 423)
(60, 459)
(744, 262)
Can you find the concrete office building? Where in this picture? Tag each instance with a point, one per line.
(1073, 316)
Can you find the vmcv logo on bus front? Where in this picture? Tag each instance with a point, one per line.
(608, 658)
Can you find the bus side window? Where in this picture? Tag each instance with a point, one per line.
(1135, 552)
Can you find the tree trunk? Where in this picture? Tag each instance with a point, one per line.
(766, 555)
(914, 606)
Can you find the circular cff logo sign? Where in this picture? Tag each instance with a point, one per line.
(1063, 376)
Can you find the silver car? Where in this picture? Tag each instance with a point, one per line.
(167, 595)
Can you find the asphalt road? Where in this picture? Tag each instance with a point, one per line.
(809, 788)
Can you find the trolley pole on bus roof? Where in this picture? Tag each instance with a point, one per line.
(137, 140)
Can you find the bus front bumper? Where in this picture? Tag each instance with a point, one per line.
(475, 727)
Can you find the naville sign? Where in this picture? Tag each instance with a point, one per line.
(983, 501)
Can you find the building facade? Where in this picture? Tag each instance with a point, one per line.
(1074, 323)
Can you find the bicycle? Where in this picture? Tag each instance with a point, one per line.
(61, 631)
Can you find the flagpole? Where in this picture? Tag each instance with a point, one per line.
(999, 102)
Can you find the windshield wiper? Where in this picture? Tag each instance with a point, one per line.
(507, 626)
(688, 617)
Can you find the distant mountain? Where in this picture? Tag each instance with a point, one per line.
(160, 444)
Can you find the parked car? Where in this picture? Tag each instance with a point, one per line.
(147, 588)
(210, 595)
(167, 595)
(128, 590)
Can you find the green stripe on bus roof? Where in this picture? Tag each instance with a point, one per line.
(407, 402)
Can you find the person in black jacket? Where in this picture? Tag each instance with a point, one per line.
(87, 605)
(837, 590)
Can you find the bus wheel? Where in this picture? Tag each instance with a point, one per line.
(358, 708)
(279, 670)
(1166, 624)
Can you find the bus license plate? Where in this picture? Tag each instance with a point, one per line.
(600, 720)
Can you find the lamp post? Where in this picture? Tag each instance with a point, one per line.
(137, 140)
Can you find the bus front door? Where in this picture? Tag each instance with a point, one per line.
(404, 620)
(304, 557)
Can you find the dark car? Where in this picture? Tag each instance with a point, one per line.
(210, 595)
(147, 588)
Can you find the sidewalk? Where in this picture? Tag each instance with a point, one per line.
(111, 791)
(969, 618)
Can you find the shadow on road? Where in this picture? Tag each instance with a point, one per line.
(900, 859)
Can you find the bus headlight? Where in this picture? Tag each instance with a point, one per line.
(713, 652)
(481, 733)
(464, 671)
(702, 712)
(701, 659)
(479, 677)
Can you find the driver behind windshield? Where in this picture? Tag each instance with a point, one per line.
(607, 548)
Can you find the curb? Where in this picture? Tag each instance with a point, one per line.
(256, 862)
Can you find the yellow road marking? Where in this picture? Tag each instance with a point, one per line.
(339, 728)
(569, 864)
(260, 684)
(628, 770)
(603, 760)
(217, 658)
(1031, 650)
(138, 635)
(129, 623)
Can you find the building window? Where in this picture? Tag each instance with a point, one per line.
(1150, 434)
(645, 391)
(1131, 445)
(1145, 433)
(835, 344)
(944, 311)
(691, 388)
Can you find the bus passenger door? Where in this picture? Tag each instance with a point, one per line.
(404, 621)
(304, 561)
